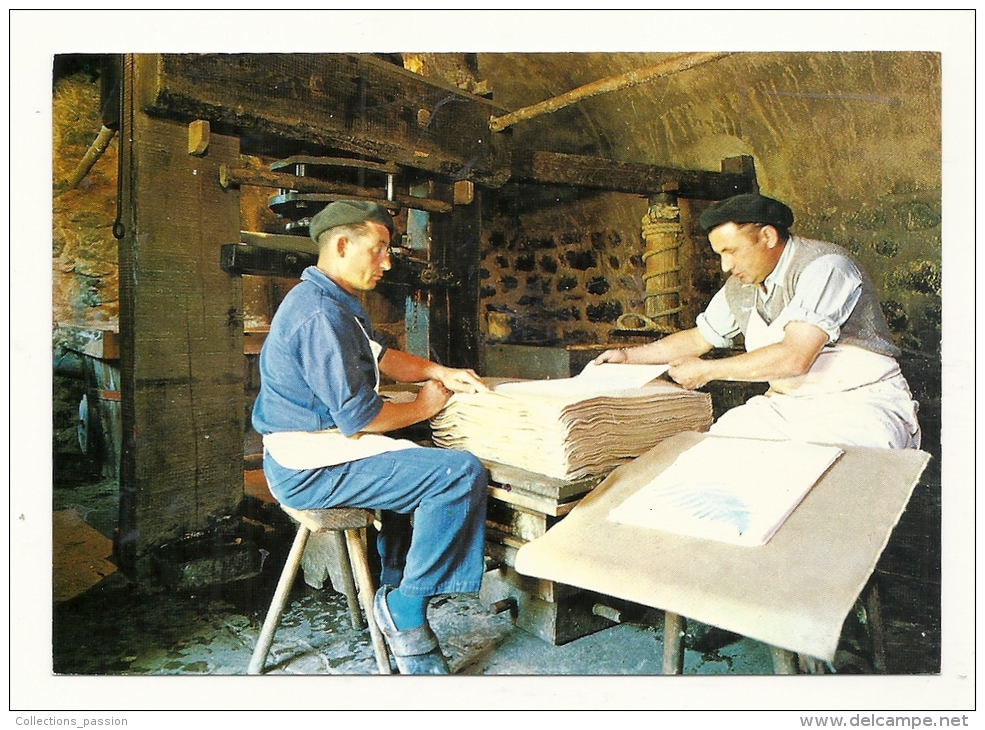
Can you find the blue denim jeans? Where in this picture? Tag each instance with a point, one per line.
(444, 490)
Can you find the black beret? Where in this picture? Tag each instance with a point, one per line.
(348, 212)
(747, 208)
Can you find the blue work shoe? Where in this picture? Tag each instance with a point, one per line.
(416, 650)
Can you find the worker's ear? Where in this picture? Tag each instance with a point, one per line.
(340, 245)
(769, 236)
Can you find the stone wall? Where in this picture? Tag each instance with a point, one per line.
(84, 269)
(558, 267)
(85, 279)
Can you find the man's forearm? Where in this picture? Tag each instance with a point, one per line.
(406, 368)
(767, 363)
(394, 416)
(687, 343)
(789, 358)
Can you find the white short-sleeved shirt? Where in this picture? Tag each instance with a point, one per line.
(826, 294)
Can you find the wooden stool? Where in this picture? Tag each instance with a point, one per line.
(351, 522)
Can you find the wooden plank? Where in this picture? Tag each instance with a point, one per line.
(279, 241)
(504, 538)
(309, 161)
(99, 340)
(629, 177)
(520, 523)
(253, 342)
(240, 258)
(511, 478)
(353, 102)
(181, 334)
(532, 503)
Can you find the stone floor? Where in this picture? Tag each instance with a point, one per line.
(115, 629)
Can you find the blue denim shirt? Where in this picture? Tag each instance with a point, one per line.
(317, 369)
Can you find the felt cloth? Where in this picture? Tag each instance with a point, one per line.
(793, 592)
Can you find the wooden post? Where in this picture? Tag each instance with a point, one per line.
(673, 659)
(455, 309)
(784, 662)
(875, 626)
(181, 331)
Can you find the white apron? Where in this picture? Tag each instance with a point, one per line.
(864, 399)
(316, 449)
(837, 368)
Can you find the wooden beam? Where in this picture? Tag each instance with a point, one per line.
(316, 162)
(631, 177)
(353, 102)
(92, 155)
(635, 77)
(236, 176)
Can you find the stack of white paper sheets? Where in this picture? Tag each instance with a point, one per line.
(572, 428)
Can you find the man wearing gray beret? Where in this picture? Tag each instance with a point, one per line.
(812, 327)
(322, 422)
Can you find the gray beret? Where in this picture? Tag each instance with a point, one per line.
(348, 212)
(747, 208)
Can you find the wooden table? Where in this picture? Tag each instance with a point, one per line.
(792, 593)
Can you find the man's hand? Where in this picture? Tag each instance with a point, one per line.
(462, 380)
(613, 356)
(690, 372)
(790, 357)
(431, 398)
(686, 343)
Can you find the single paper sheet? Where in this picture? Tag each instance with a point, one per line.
(733, 490)
(594, 379)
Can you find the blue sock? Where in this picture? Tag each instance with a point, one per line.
(408, 611)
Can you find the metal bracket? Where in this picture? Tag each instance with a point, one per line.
(409, 269)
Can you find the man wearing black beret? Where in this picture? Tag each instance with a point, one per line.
(322, 422)
(812, 327)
